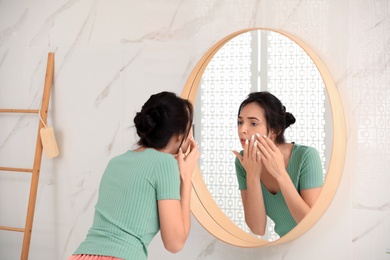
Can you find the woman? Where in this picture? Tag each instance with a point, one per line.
(277, 179)
(147, 189)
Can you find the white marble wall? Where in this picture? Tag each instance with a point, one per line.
(110, 56)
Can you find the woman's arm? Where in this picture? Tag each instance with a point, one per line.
(252, 197)
(175, 215)
(174, 223)
(298, 204)
(254, 209)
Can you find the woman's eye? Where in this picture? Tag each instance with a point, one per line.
(239, 123)
(254, 124)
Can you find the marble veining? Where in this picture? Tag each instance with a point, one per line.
(106, 90)
(11, 31)
(50, 22)
(208, 250)
(110, 55)
(372, 226)
(3, 58)
(20, 124)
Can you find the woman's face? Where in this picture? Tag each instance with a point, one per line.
(251, 121)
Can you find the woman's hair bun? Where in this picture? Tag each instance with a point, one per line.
(290, 119)
(144, 123)
(162, 116)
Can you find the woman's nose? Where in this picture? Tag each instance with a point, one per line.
(243, 129)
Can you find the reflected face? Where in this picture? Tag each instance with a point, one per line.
(251, 121)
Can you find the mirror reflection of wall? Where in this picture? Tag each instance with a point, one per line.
(256, 61)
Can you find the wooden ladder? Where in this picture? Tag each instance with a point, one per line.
(37, 158)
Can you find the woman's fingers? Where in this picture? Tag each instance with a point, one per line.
(265, 145)
(270, 143)
(246, 148)
(193, 148)
(254, 150)
(263, 150)
(192, 152)
(187, 162)
(179, 156)
(238, 155)
(250, 148)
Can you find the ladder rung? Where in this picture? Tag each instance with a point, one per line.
(12, 229)
(32, 111)
(11, 169)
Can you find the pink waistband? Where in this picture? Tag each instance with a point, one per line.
(92, 257)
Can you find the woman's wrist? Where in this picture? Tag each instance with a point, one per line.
(283, 179)
(253, 177)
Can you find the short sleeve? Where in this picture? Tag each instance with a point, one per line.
(241, 174)
(311, 175)
(167, 179)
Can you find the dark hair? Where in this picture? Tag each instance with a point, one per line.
(162, 116)
(275, 113)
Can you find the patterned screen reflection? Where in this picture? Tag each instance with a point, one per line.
(255, 61)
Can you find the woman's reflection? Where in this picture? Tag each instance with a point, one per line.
(277, 179)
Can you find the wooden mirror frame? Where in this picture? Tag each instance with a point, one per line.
(203, 206)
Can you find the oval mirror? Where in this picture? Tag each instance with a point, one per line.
(255, 60)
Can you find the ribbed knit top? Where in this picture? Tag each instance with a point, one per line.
(305, 171)
(126, 213)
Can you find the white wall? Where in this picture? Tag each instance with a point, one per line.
(110, 56)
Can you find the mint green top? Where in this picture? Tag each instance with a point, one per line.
(305, 171)
(126, 214)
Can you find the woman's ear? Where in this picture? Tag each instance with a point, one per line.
(179, 137)
(179, 140)
(273, 135)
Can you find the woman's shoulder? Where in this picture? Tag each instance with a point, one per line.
(140, 155)
(304, 150)
(161, 155)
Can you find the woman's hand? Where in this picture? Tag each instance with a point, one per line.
(299, 204)
(188, 160)
(272, 157)
(251, 159)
